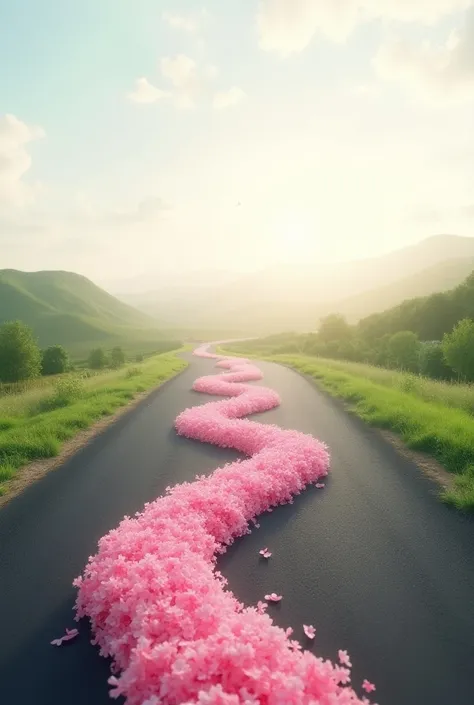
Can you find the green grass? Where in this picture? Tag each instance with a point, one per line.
(429, 416)
(34, 424)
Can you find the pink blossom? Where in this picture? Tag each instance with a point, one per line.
(309, 630)
(70, 634)
(156, 603)
(344, 658)
(265, 553)
(273, 597)
(368, 686)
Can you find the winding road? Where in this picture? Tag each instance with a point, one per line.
(374, 560)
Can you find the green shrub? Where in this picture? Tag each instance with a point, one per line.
(97, 359)
(66, 391)
(54, 360)
(433, 363)
(458, 349)
(132, 372)
(117, 357)
(20, 356)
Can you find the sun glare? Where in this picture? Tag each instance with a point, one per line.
(294, 238)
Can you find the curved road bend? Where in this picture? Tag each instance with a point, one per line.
(374, 560)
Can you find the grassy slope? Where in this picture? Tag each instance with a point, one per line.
(35, 424)
(63, 307)
(434, 417)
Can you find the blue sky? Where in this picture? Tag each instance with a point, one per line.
(343, 133)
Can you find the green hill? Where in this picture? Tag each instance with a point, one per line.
(66, 308)
(430, 317)
(438, 278)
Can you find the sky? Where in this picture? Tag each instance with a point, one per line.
(168, 135)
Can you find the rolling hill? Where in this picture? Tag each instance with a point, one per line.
(437, 278)
(66, 308)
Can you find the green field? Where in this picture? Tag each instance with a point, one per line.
(430, 416)
(38, 416)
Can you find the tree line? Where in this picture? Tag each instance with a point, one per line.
(432, 336)
(21, 357)
(450, 358)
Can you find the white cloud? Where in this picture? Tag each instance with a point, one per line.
(187, 23)
(227, 99)
(145, 92)
(437, 72)
(188, 83)
(288, 26)
(181, 71)
(15, 160)
(191, 22)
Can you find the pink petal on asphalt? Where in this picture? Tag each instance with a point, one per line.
(344, 658)
(368, 686)
(159, 607)
(320, 485)
(309, 630)
(265, 553)
(70, 634)
(273, 597)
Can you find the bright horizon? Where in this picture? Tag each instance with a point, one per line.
(156, 137)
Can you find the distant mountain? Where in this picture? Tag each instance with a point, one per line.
(437, 278)
(66, 308)
(294, 297)
(160, 280)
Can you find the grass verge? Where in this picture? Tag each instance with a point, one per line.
(38, 424)
(433, 417)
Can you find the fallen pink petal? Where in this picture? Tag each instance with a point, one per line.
(265, 553)
(273, 597)
(309, 630)
(344, 658)
(320, 485)
(158, 608)
(368, 686)
(70, 634)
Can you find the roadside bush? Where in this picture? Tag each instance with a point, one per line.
(117, 357)
(403, 350)
(132, 372)
(20, 356)
(433, 363)
(54, 360)
(458, 349)
(67, 390)
(97, 359)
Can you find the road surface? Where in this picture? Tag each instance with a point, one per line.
(374, 561)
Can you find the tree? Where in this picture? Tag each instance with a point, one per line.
(403, 350)
(97, 359)
(20, 356)
(334, 329)
(117, 357)
(458, 349)
(433, 363)
(55, 360)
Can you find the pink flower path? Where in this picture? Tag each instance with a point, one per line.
(160, 609)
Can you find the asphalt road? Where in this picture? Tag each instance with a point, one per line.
(374, 561)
